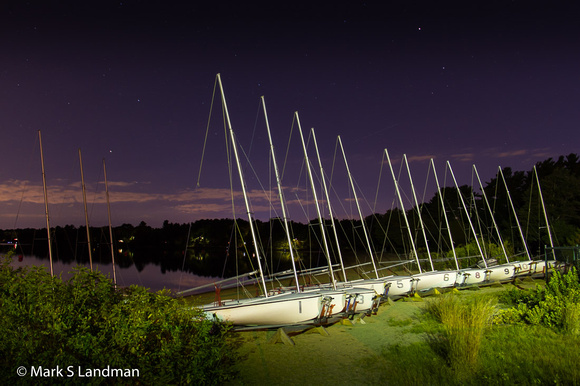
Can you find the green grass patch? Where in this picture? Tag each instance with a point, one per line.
(509, 355)
(470, 340)
(391, 322)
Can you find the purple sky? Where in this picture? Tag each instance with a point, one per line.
(489, 84)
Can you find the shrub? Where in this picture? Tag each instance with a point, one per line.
(85, 323)
(557, 305)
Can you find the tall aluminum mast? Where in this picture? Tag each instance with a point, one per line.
(491, 214)
(110, 227)
(362, 220)
(327, 196)
(46, 204)
(320, 218)
(86, 214)
(403, 210)
(243, 184)
(281, 196)
(418, 212)
(515, 214)
(467, 214)
(445, 214)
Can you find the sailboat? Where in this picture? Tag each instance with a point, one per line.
(509, 268)
(465, 276)
(530, 266)
(380, 285)
(493, 273)
(267, 310)
(337, 298)
(542, 266)
(429, 279)
(361, 296)
(364, 295)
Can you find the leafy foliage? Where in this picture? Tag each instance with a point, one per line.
(557, 305)
(85, 322)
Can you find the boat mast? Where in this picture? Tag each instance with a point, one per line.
(86, 214)
(281, 196)
(545, 213)
(515, 214)
(110, 227)
(445, 215)
(467, 214)
(491, 213)
(403, 210)
(320, 218)
(362, 220)
(419, 212)
(327, 196)
(46, 205)
(243, 184)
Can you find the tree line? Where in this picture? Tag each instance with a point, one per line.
(207, 240)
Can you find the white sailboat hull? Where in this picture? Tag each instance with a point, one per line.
(336, 299)
(539, 266)
(523, 267)
(501, 272)
(345, 295)
(377, 285)
(399, 285)
(471, 276)
(276, 310)
(360, 300)
(336, 303)
(435, 279)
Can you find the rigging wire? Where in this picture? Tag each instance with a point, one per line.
(207, 132)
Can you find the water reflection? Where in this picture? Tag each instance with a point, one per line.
(158, 269)
(149, 275)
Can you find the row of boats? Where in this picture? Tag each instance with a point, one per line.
(327, 302)
(323, 304)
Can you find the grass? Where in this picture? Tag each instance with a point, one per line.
(440, 340)
(509, 355)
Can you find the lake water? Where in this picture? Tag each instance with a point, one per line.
(172, 273)
(150, 275)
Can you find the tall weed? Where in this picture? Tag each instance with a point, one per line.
(464, 322)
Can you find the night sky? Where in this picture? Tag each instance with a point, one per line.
(485, 83)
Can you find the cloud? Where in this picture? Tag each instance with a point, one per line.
(539, 154)
(512, 153)
(21, 199)
(420, 158)
(463, 157)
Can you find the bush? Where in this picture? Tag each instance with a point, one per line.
(86, 324)
(557, 305)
